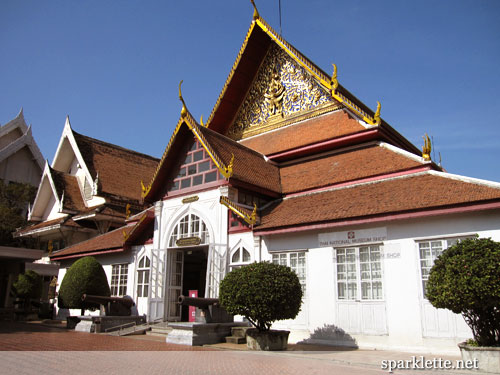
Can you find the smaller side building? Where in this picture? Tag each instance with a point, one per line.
(20, 157)
(21, 162)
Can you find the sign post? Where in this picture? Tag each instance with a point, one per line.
(192, 309)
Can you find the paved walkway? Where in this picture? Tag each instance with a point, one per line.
(28, 348)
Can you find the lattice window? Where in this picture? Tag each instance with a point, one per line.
(359, 273)
(429, 251)
(196, 169)
(297, 262)
(240, 257)
(119, 278)
(190, 226)
(143, 270)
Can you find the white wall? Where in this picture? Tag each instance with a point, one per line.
(411, 323)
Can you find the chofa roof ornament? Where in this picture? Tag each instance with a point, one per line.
(376, 116)
(427, 148)
(184, 108)
(334, 80)
(255, 11)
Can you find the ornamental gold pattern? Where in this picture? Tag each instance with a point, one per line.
(282, 88)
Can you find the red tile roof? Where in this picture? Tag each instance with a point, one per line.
(67, 185)
(350, 165)
(113, 240)
(326, 127)
(411, 193)
(120, 170)
(249, 166)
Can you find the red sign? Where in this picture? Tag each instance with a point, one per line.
(192, 309)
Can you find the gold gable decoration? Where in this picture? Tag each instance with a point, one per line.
(282, 89)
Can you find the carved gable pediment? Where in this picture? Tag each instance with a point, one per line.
(282, 89)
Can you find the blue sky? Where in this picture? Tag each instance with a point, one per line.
(114, 66)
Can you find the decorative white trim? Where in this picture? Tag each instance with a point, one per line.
(68, 134)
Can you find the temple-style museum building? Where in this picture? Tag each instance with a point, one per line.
(291, 168)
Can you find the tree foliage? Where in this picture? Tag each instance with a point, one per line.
(466, 280)
(85, 276)
(262, 292)
(14, 199)
(29, 285)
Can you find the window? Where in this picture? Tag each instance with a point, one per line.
(297, 262)
(196, 169)
(239, 258)
(143, 277)
(429, 251)
(119, 277)
(359, 273)
(190, 226)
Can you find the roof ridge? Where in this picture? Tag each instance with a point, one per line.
(472, 180)
(114, 146)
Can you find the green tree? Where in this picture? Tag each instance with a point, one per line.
(262, 292)
(85, 276)
(29, 285)
(14, 199)
(466, 280)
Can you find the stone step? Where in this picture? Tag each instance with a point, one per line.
(236, 340)
(159, 330)
(239, 331)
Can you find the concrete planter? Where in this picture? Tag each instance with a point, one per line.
(487, 358)
(267, 340)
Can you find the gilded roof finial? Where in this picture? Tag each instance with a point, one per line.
(334, 80)
(253, 216)
(229, 169)
(184, 109)
(255, 11)
(427, 148)
(127, 211)
(201, 121)
(376, 116)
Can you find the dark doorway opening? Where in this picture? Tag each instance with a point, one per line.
(194, 278)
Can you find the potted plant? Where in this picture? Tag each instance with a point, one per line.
(263, 293)
(466, 280)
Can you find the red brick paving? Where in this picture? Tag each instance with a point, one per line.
(17, 336)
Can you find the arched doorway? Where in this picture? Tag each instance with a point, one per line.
(187, 256)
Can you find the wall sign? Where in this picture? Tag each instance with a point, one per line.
(194, 198)
(352, 237)
(188, 241)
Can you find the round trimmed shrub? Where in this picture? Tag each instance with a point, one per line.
(466, 280)
(85, 276)
(29, 285)
(262, 292)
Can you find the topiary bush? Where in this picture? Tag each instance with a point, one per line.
(29, 285)
(466, 280)
(262, 292)
(85, 276)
